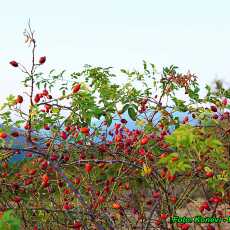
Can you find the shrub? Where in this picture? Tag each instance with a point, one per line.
(80, 174)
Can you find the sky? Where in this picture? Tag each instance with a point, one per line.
(194, 35)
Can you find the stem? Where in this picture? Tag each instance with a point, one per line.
(150, 215)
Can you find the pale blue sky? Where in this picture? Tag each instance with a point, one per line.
(191, 34)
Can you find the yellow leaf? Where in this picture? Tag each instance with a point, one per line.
(146, 170)
(117, 216)
(207, 169)
(33, 113)
(84, 86)
(140, 122)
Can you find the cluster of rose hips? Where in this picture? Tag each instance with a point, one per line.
(73, 131)
(225, 114)
(4, 135)
(124, 139)
(132, 138)
(44, 93)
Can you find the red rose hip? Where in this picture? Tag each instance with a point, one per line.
(14, 63)
(42, 60)
(88, 167)
(76, 88)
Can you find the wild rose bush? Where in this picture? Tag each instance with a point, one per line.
(80, 175)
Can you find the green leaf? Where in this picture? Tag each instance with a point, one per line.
(183, 166)
(213, 143)
(124, 109)
(19, 123)
(223, 165)
(132, 113)
(177, 125)
(181, 137)
(135, 106)
(55, 110)
(9, 221)
(163, 161)
(180, 105)
(108, 120)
